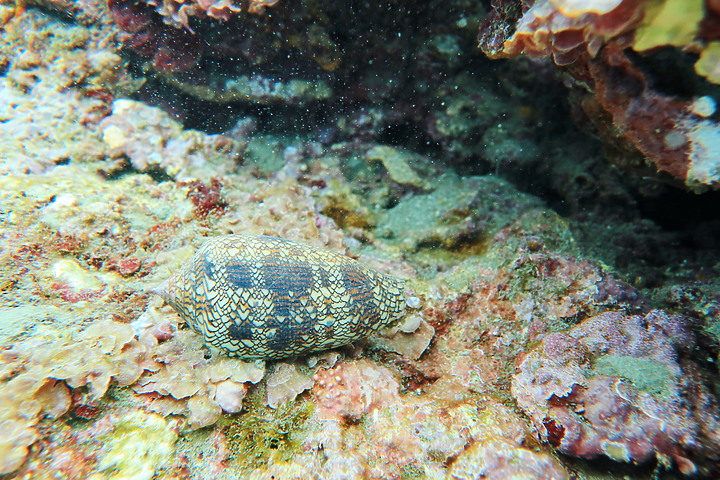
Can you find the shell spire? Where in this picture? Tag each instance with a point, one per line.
(165, 290)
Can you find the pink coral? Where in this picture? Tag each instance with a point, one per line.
(178, 12)
(350, 390)
(370, 430)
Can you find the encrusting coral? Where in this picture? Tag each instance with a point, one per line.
(643, 125)
(65, 65)
(38, 372)
(193, 385)
(151, 141)
(562, 29)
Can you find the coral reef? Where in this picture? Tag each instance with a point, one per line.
(397, 164)
(379, 131)
(562, 29)
(178, 12)
(285, 383)
(138, 446)
(188, 383)
(68, 76)
(37, 374)
(151, 141)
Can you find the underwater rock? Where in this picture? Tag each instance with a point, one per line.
(153, 142)
(458, 210)
(616, 386)
(397, 163)
(256, 90)
(54, 93)
(178, 35)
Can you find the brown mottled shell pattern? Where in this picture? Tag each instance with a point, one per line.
(256, 296)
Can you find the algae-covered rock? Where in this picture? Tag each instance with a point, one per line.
(138, 446)
(397, 162)
(256, 89)
(152, 140)
(266, 152)
(459, 210)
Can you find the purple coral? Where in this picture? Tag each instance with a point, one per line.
(616, 386)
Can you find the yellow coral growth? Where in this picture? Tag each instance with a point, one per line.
(708, 65)
(669, 22)
(139, 444)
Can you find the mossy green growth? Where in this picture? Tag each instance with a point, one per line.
(713, 328)
(646, 374)
(262, 434)
(669, 22)
(266, 152)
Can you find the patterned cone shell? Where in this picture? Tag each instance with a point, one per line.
(256, 296)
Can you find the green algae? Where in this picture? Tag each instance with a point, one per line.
(267, 152)
(458, 211)
(646, 374)
(262, 434)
